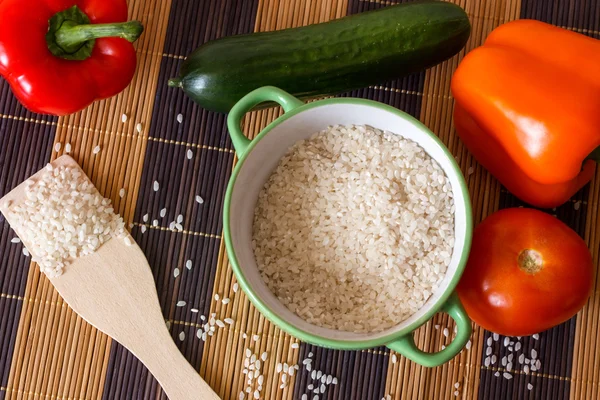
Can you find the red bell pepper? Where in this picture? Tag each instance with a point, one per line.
(61, 55)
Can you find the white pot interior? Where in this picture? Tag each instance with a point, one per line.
(265, 156)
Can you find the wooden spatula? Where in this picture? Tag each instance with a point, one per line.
(113, 289)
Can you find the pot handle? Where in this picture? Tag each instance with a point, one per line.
(407, 347)
(249, 101)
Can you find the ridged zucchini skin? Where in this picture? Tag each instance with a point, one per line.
(328, 58)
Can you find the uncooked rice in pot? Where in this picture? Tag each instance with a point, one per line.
(64, 217)
(354, 229)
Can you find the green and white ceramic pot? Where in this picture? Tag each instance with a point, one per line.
(259, 157)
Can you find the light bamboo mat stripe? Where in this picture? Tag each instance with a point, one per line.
(57, 353)
(224, 355)
(180, 126)
(53, 354)
(586, 357)
(436, 113)
(583, 17)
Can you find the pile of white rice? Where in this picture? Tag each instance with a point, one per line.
(354, 229)
(64, 217)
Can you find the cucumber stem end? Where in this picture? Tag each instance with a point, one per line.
(175, 82)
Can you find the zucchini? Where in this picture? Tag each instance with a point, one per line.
(328, 58)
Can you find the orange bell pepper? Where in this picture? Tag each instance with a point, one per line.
(528, 108)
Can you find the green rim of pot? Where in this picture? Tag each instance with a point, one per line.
(340, 343)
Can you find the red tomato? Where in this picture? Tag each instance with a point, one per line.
(527, 272)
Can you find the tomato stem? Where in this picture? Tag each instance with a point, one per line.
(530, 261)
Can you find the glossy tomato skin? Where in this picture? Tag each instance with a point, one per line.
(503, 297)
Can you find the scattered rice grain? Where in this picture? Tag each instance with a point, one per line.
(533, 354)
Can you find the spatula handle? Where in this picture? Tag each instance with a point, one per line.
(114, 290)
(178, 378)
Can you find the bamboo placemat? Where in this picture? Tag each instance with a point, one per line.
(47, 352)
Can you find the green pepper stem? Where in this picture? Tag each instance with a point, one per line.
(70, 36)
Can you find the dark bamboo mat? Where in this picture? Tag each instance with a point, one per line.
(48, 352)
(17, 162)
